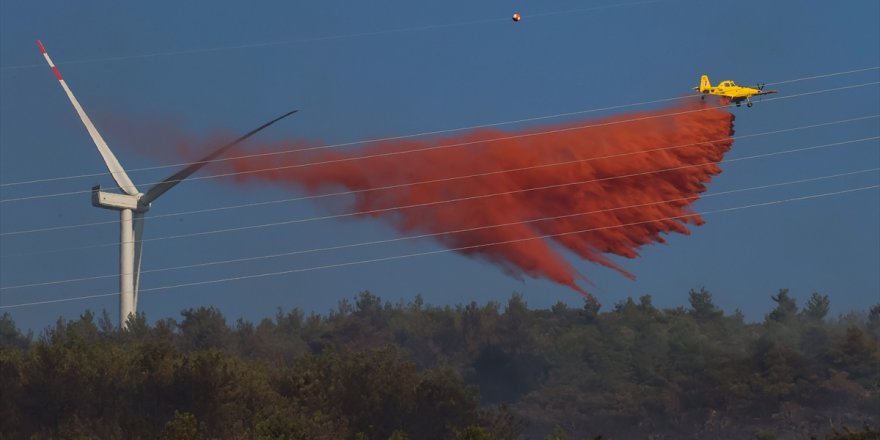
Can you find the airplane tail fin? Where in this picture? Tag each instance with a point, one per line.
(705, 85)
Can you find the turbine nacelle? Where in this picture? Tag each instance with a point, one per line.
(116, 201)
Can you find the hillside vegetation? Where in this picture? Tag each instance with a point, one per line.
(375, 370)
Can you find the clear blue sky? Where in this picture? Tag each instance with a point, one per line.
(361, 70)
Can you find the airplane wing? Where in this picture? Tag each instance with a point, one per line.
(766, 92)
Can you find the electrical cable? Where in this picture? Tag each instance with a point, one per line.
(396, 153)
(429, 133)
(403, 185)
(419, 205)
(419, 254)
(435, 234)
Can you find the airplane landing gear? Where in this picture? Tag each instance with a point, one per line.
(748, 104)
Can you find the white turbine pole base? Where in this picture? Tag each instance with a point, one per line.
(126, 268)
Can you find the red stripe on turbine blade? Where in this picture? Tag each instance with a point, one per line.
(40, 44)
(57, 73)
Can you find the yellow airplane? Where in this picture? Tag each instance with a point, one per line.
(730, 90)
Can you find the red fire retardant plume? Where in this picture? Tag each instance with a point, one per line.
(636, 159)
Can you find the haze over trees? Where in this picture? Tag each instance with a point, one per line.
(371, 369)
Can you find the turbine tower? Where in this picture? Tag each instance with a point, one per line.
(133, 204)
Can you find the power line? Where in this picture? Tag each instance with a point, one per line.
(419, 205)
(435, 234)
(402, 185)
(366, 141)
(327, 38)
(462, 248)
(426, 133)
(826, 75)
(438, 147)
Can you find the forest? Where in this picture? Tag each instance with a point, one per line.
(372, 369)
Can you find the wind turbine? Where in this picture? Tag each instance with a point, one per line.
(133, 204)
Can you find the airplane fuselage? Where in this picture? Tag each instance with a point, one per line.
(730, 90)
(735, 93)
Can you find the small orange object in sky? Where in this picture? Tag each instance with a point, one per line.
(516, 17)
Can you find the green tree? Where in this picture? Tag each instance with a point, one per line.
(136, 326)
(12, 385)
(474, 433)
(634, 372)
(10, 336)
(376, 394)
(398, 435)
(590, 311)
(858, 354)
(816, 308)
(786, 307)
(557, 434)
(874, 321)
(183, 426)
(203, 328)
(369, 307)
(765, 434)
(702, 307)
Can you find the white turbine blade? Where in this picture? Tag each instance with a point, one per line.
(138, 225)
(119, 175)
(163, 186)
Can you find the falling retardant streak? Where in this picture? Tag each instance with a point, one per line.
(687, 140)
